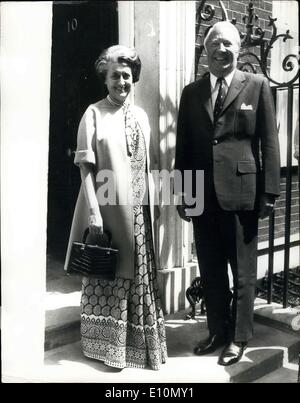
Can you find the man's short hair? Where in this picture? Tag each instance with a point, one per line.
(220, 24)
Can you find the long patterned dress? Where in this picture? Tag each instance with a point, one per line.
(122, 321)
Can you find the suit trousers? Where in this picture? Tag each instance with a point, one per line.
(223, 237)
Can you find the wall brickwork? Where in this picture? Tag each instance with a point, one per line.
(280, 213)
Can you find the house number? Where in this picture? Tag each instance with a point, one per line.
(72, 25)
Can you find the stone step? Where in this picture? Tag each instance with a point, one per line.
(288, 373)
(275, 343)
(62, 335)
(62, 306)
(268, 351)
(63, 313)
(286, 319)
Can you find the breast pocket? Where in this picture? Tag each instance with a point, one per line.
(245, 122)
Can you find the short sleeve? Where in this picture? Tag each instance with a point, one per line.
(85, 152)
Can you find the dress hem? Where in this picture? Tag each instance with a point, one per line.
(120, 366)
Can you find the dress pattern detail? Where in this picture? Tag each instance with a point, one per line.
(122, 321)
(136, 148)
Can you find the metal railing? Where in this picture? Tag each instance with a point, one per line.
(287, 172)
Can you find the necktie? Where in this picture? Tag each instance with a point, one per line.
(220, 98)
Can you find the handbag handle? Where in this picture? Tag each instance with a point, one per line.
(107, 233)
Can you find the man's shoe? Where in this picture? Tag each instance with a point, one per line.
(210, 344)
(232, 353)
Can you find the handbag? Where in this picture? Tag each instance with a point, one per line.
(93, 260)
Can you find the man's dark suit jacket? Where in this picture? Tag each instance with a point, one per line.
(239, 153)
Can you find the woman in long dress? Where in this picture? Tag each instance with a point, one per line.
(122, 321)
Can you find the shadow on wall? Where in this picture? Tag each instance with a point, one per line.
(169, 230)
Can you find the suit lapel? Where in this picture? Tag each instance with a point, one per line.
(237, 84)
(235, 88)
(206, 97)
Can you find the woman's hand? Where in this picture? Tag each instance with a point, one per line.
(95, 224)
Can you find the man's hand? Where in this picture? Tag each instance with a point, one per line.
(182, 213)
(267, 203)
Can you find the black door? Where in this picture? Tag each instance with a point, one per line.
(81, 30)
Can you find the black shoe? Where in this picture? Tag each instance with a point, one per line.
(210, 344)
(232, 353)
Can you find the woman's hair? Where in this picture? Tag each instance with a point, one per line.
(119, 54)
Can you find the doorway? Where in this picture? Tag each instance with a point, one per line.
(80, 31)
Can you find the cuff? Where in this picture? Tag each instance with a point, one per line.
(87, 156)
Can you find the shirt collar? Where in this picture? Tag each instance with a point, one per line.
(228, 79)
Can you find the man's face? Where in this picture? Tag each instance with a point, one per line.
(222, 51)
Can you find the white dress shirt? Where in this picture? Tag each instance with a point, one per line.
(215, 86)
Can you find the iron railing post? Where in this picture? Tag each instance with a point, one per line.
(288, 196)
(271, 257)
(271, 234)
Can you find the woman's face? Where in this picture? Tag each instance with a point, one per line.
(119, 81)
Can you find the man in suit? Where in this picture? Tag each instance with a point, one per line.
(227, 128)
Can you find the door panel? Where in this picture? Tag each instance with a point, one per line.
(81, 30)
